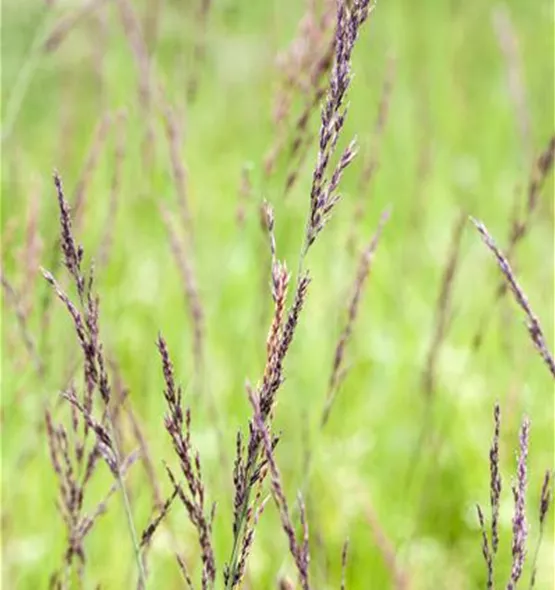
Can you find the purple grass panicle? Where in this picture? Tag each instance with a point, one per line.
(178, 426)
(76, 474)
(72, 253)
(521, 224)
(520, 524)
(533, 323)
(252, 463)
(323, 194)
(486, 551)
(495, 479)
(153, 525)
(299, 551)
(489, 548)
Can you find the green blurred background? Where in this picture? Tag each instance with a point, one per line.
(453, 142)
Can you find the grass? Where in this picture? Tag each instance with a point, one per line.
(452, 143)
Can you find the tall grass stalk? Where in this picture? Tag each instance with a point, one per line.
(85, 318)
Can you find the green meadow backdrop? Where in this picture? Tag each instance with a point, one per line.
(467, 109)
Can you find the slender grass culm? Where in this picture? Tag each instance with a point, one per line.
(250, 466)
(75, 475)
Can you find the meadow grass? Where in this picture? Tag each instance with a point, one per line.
(452, 105)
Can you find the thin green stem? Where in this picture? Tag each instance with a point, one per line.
(535, 559)
(127, 506)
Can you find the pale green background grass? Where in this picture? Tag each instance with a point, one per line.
(450, 98)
